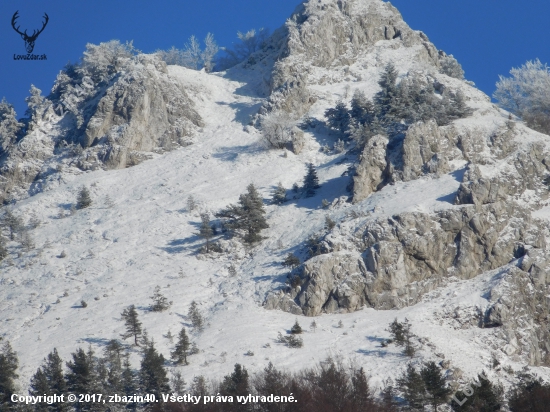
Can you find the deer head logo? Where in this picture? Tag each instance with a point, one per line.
(29, 40)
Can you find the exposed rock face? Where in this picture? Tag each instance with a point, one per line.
(143, 110)
(421, 152)
(412, 253)
(370, 173)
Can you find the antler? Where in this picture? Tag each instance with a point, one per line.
(46, 19)
(13, 19)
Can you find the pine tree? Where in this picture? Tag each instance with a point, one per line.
(296, 328)
(206, 232)
(191, 203)
(388, 402)
(413, 389)
(160, 303)
(81, 376)
(40, 386)
(385, 98)
(128, 377)
(486, 397)
(195, 316)
(112, 361)
(83, 199)
(8, 374)
(152, 375)
(199, 387)
(338, 117)
(279, 195)
(12, 223)
(361, 396)
(435, 384)
(179, 355)
(247, 216)
(53, 369)
(311, 181)
(133, 325)
(178, 383)
(291, 261)
(237, 383)
(362, 109)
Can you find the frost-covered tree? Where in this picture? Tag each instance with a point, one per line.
(385, 99)
(83, 199)
(34, 101)
(249, 43)
(451, 67)
(179, 355)
(247, 216)
(132, 323)
(209, 52)
(101, 61)
(279, 195)
(527, 94)
(311, 181)
(296, 328)
(10, 128)
(277, 129)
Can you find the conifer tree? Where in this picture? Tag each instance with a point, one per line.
(279, 195)
(311, 181)
(83, 199)
(338, 117)
(160, 302)
(133, 325)
(486, 397)
(362, 109)
(178, 383)
(112, 361)
(128, 377)
(12, 223)
(361, 396)
(247, 216)
(296, 328)
(435, 384)
(179, 355)
(8, 374)
(152, 375)
(413, 389)
(237, 383)
(385, 98)
(81, 377)
(40, 386)
(195, 316)
(206, 232)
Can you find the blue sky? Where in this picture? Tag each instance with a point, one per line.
(488, 37)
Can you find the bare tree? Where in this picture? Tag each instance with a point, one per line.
(277, 129)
